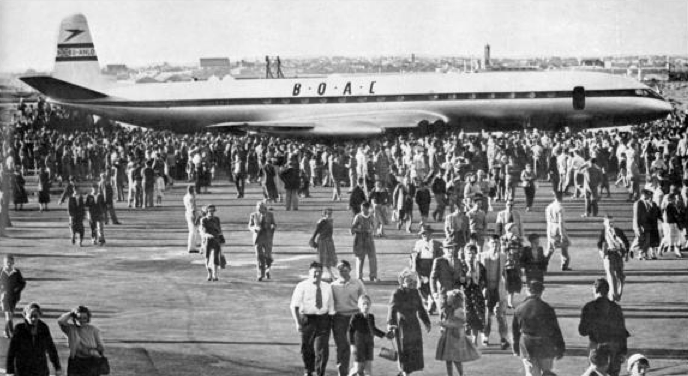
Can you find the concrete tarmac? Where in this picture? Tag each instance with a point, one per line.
(159, 315)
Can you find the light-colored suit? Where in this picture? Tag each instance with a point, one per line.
(503, 219)
(262, 227)
(495, 298)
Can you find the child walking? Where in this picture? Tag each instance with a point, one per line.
(454, 347)
(361, 331)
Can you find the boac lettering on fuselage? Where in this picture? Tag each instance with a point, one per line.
(321, 89)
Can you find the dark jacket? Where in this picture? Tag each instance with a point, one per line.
(356, 198)
(148, 176)
(96, 207)
(439, 186)
(27, 357)
(536, 330)
(362, 329)
(602, 321)
(290, 177)
(75, 208)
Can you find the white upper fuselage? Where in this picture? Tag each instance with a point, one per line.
(392, 100)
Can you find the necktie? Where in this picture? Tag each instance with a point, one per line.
(318, 297)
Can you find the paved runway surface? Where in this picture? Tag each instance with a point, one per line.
(159, 316)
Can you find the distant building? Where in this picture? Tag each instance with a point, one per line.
(116, 69)
(215, 63)
(592, 63)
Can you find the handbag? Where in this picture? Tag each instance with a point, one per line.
(221, 239)
(389, 354)
(103, 366)
(223, 261)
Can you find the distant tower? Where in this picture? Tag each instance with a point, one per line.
(486, 57)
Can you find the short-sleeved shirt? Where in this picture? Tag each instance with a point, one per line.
(304, 297)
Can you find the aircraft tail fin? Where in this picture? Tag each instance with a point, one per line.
(76, 60)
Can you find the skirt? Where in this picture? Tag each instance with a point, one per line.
(381, 214)
(8, 302)
(326, 252)
(673, 237)
(454, 346)
(83, 366)
(212, 254)
(475, 308)
(20, 197)
(43, 197)
(513, 281)
(76, 225)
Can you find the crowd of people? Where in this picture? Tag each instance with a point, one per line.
(468, 278)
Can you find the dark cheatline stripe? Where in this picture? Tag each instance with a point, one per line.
(370, 99)
(75, 45)
(76, 58)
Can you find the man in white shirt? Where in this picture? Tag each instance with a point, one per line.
(312, 306)
(575, 167)
(557, 236)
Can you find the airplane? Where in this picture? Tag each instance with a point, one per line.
(347, 106)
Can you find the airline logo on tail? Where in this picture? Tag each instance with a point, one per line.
(74, 32)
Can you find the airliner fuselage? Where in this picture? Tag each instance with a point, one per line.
(357, 105)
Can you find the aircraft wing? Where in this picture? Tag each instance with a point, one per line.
(364, 123)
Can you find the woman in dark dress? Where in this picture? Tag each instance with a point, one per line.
(474, 281)
(405, 308)
(324, 243)
(43, 189)
(252, 167)
(268, 172)
(20, 196)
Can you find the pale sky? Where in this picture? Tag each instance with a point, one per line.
(152, 31)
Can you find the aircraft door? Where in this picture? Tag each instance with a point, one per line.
(579, 98)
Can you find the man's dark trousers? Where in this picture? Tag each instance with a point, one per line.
(315, 338)
(340, 332)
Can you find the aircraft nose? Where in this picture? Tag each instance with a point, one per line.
(662, 106)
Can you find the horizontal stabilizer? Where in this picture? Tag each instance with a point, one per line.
(57, 89)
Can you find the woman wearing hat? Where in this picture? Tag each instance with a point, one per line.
(211, 239)
(405, 308)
